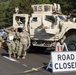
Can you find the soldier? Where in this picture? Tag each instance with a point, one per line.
(10, 41)
(27, 37)
(24, 43)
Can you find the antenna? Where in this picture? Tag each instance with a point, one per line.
(16, 10)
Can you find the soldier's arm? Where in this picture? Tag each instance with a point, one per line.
(1, 39)
(6, 30)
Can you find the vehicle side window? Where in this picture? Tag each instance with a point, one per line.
(18, 18)
(34, 19)
(62, 18)
(46, 8)
(50, 19)
(35, 8)
(40, 8)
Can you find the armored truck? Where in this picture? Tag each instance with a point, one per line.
(47, 25)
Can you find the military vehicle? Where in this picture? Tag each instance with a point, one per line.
(47, 25)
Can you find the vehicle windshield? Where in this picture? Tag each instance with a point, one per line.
(21, 19)
(61, 17)
(50, 18)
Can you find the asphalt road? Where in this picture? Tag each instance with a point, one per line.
(34, 64)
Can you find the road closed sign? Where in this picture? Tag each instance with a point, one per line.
(63, 61)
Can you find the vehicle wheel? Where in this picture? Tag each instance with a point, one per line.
(71, 42)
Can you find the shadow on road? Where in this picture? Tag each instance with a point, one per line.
(5, 54)
(40, 50)
(45, 66)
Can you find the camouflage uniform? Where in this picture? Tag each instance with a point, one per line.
(24, 42)
(17, 42)
(1, 40)
(10, 42)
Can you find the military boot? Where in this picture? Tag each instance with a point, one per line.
(23, 57)
(18, 57)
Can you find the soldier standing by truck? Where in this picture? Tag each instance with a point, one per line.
(10, 41)
(24, 43)
(27, 37)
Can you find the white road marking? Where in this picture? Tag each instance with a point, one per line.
(11, 59)
(25, 65)
(14, 60)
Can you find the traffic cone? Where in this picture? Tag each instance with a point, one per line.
(60, 48)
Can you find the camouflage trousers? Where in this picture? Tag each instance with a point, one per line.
(22, 50)
(11, 47)
(17, 45)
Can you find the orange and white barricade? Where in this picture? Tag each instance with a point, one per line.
(60, 47)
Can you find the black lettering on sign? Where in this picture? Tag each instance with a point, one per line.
(72, 57)
(68, 57)
(63, 57)
(64, 65)
(56, 65)
(59, 57)
(73, 64)
(60, 67)
(69, 65)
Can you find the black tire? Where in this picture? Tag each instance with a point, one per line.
(71, 42)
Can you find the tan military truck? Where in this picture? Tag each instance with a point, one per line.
(47, 25)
